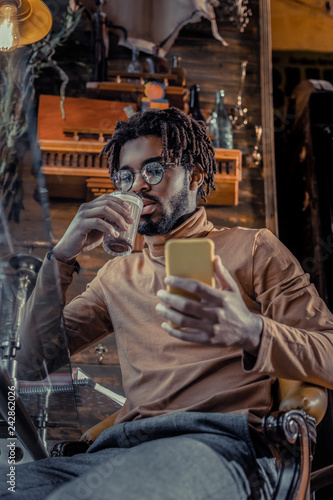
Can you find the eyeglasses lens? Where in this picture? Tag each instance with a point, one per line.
(123, 180)
(153, 173)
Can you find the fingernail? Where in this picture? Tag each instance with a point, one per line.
(116, 234)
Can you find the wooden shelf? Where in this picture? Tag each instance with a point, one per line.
(132, 92)
(74, 168)
(229, 165)
(119, 76)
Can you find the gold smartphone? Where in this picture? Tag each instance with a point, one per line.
(190, 258)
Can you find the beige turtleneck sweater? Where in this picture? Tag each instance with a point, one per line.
(162, 374)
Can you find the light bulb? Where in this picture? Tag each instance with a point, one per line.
(9, 31)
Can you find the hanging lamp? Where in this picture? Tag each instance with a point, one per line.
(23, 22)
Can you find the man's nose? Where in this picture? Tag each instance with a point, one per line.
(139, 184)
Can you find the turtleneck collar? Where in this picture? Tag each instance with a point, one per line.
(195, 226)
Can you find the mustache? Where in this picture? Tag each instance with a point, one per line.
(150, 198)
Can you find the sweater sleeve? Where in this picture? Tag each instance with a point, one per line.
(42, 335)
(87, 318)
(50, 330)
(297, 337)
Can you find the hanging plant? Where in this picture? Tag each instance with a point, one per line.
(18, 71)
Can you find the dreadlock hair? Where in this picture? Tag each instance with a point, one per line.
(182, 137)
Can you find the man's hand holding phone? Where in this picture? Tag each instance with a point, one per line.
(219, 318)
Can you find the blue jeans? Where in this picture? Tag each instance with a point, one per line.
(180, 456)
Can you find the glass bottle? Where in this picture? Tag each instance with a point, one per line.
(135, 66)
(178, 70)
(155, 63)
(220, 126)
(195, 111)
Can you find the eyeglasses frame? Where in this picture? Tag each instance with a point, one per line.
(163, 164)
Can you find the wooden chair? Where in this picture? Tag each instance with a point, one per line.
(291, 429)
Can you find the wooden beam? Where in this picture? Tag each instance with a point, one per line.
(267, 117)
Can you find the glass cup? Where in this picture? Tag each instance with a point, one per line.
(123, 244)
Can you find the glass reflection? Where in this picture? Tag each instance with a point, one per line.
(25, 237)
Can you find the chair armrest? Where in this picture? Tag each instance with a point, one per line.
(293, 431)
(308, 397)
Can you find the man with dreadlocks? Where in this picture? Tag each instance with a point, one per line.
(195, 396)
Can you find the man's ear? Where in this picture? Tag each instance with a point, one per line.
(196, 177)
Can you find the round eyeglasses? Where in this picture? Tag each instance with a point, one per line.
(152, 173)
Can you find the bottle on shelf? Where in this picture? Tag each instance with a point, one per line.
(155, 63)
(195, 111)
(220, 126)
(135, 66)
(179, 71)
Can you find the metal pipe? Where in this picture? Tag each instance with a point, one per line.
(23, 425)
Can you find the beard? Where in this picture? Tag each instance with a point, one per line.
(177, 207)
